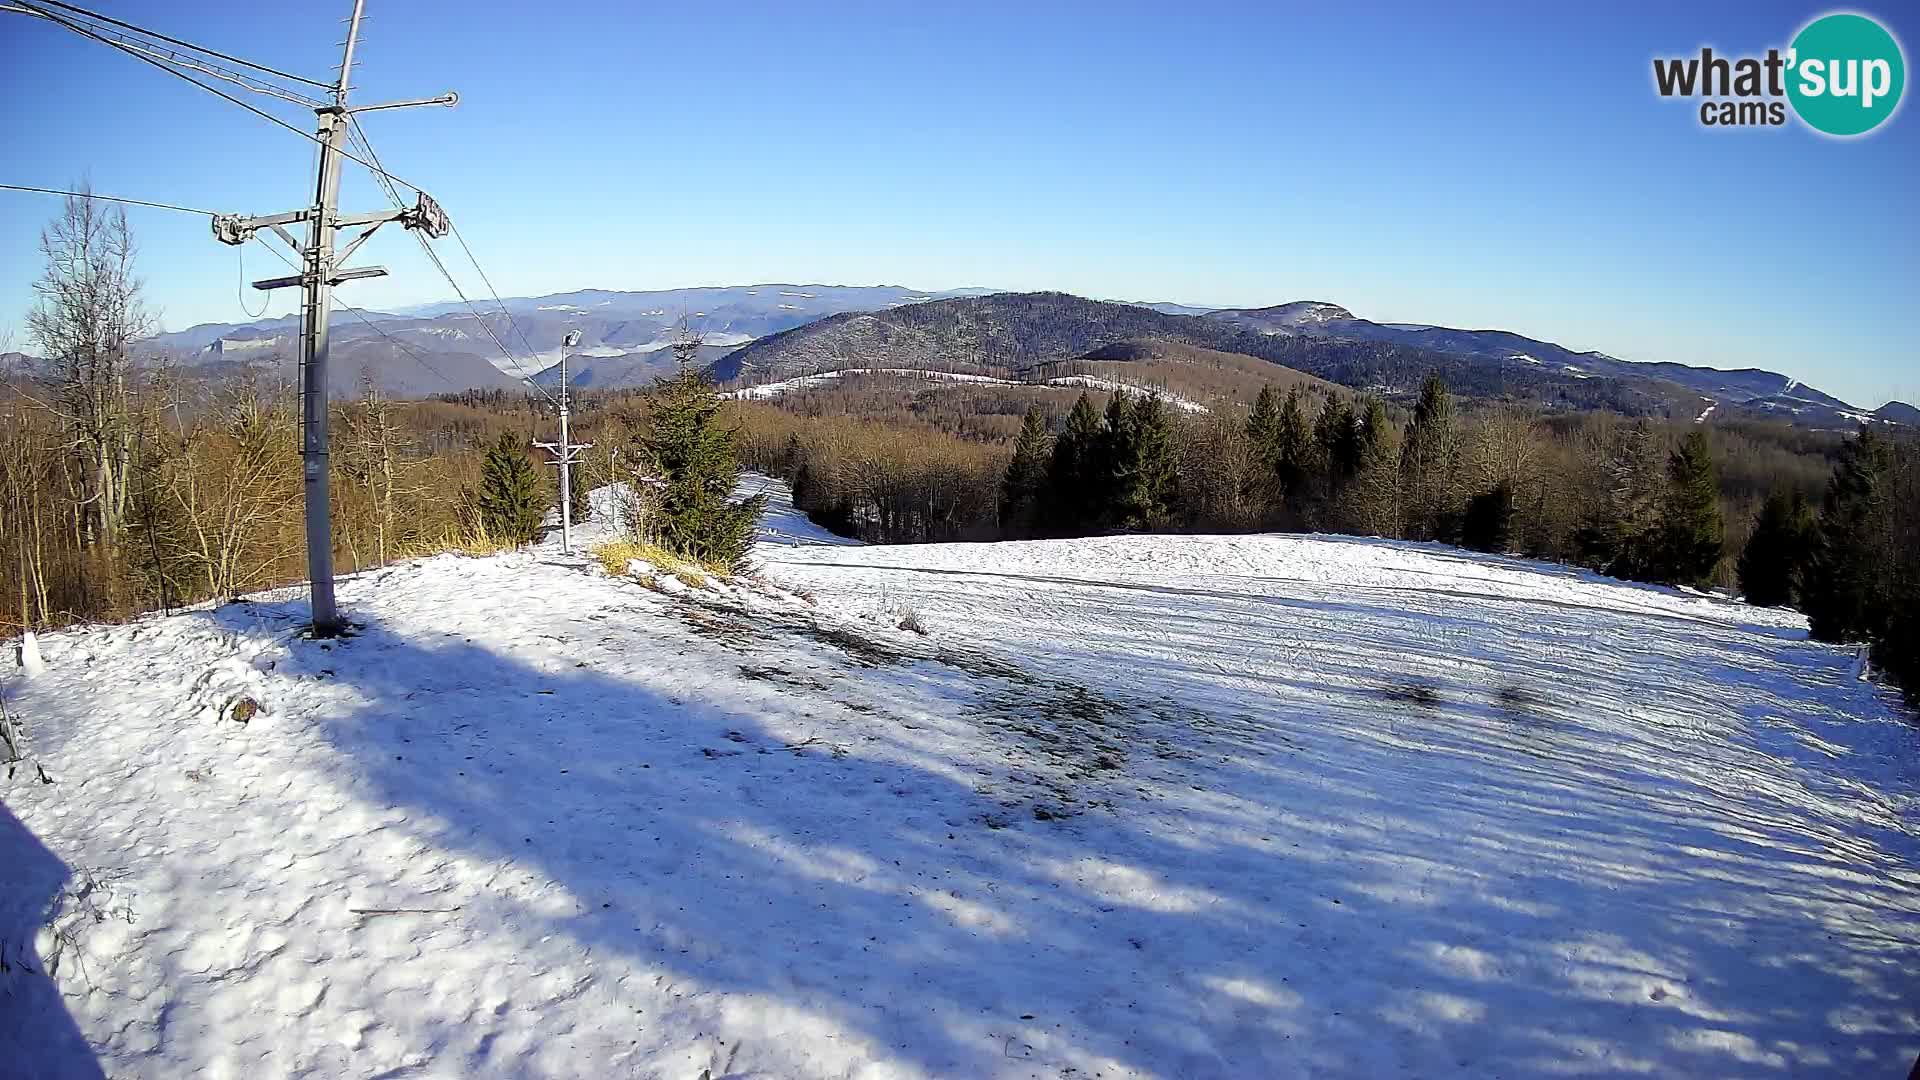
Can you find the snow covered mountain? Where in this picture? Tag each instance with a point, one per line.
(1297, 317)
(1231, 807)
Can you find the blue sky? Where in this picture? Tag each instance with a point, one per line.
(1471, 165)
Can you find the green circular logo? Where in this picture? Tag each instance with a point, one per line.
(1845, 74)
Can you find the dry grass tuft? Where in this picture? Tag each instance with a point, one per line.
(616, 555)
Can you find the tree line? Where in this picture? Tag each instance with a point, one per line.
(1644, 500)
(128, 487)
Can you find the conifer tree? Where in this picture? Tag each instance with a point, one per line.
(1263, 420)
(1293, 453)
(1847, 575)
(1263, 488)
(1777, 552)
(1337, 434)
(1620, 535)
(1898, 649)
(1144, 499)
(700, 467)
(1075, 484)
(1427, 465)
(1116, 463)
(1024, 485)
(1487, 524)
(1372, 504)
(509, 500)
(1692, 533)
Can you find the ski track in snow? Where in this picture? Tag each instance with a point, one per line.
(1148, 806)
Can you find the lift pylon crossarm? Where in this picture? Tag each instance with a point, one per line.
(320, 268)
(449, 99)
(335, 278)
(425, 215)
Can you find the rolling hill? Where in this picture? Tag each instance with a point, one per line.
(1000, 334)
(1006, 332)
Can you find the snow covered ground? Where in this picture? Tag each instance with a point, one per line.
(1151, 806)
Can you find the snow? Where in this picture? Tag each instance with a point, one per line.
(1863, 418)
(1134, 806)
(721, 340)
(249, 344)
(783, 524)
(1114, 386)
(806, 382)
(1706, 412)
(28, 654)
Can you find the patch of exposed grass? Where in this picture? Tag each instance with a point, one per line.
(461, 539)
(617, 555)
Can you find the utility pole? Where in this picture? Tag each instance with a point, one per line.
(563, 450)
(321, 266)
(320, 272)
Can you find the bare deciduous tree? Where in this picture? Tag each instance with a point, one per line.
(86, 316)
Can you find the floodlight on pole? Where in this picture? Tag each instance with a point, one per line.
(563, 450)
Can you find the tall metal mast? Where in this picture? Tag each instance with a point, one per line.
(563, 451)
(320, 264)
(320, 272)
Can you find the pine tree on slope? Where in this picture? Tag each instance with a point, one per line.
(1263, 433)
(1427, 465)
(1372, 504)
(1293, 455)
(1116, 463)
(510, 503)
(1487, 524)
(1337, 434)
(1619, 536)
(700, 466)
(1692, 534)
(1145, 501)
(1025, 482)
(1075, 485)
(1777, 552)
(1847, 576)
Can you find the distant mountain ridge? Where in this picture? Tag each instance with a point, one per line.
(1002, 332)
(754, 333)
(626, 337)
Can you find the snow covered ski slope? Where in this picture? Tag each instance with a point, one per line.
(1149, 806)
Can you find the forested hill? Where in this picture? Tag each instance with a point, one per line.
(996, 334)
(1006, 332)
(1003, 333)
